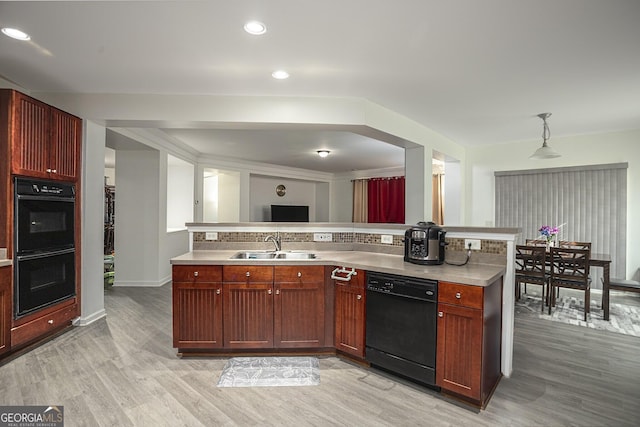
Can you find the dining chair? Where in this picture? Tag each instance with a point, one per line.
(575, 245)
(532, 242)
(531, 269)
(570, 269)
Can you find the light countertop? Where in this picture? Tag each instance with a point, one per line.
(470, 274)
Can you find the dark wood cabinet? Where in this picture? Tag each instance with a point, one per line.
(248, 307)
(299, 307)
(350, 306)
(197, 306)
(5, 309)
(43, 323)
(469, 340)
(44, 141)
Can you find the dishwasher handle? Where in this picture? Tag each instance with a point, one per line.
(343, 270)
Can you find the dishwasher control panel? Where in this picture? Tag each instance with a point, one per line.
(411, 287)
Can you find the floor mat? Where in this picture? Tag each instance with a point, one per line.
(624, 319)
(270, 372)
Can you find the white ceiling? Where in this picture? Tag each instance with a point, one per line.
(477, 72)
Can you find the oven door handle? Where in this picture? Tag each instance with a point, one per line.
(46, 198)
(45, 254)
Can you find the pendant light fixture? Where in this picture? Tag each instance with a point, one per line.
(544, 152)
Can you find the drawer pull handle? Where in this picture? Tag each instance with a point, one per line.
(248, 273)
(458, 295)
(277, 291)
(195, 274)
(50, 321)
(299, 274)
(269, 291)
(359, 297)
(440, 314)
(217, 291)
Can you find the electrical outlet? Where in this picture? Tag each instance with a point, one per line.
(386, 239)
(475, 244)
(211, 235)
(322, 237)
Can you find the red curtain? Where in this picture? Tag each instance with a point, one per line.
(386, 200)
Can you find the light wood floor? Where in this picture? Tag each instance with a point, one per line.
(122, 371)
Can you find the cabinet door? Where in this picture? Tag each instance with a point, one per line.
(66, 137)
(299, 306)
(5, 309)
(459, 350)
(31, 137)
(248, 315)
(197, 306)
(197, 315)
(350, 318)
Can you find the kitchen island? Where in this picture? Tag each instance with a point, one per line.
(225, 305)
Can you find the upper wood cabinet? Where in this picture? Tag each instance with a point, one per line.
(44, 142)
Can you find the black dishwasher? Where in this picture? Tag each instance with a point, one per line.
(401, 325)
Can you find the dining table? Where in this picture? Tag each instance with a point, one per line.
(604, 261)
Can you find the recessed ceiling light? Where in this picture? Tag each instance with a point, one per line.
(323, 153)
(256, 28)
(14, 33)
(280, 75)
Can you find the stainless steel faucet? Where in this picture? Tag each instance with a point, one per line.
(276, 241)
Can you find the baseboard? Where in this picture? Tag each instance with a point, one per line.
(142, 283)
(87, 320)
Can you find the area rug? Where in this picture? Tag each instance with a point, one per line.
(624, 319)
(270, 372)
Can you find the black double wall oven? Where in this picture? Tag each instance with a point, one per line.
(44, 246)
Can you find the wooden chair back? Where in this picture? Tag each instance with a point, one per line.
(574, 245)
(535, 242)
(570, 267)
(531, 261)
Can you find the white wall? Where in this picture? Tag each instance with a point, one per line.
(263, 195)
(593, 149)
(137, 218)
(92, 243)
(180, 183)
(452, 193)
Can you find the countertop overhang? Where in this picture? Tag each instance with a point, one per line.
(470, 274)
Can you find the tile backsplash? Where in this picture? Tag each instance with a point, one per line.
(494, 247)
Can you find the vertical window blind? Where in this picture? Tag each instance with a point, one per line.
(587, 203)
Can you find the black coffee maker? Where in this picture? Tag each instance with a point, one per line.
(424, 244)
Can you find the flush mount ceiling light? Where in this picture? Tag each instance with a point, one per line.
(280, 75)
(14, 33)
(323, 153)
(255, 27)
(544, 152)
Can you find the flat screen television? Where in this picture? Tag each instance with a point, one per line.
(289, 213)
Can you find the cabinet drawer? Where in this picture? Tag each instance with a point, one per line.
(463, 295)
(296, 273)
(41, 326)
(247, 273)
(197, 273)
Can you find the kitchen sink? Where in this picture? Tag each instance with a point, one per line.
(280, 255)
(253, 255)
(295, 255)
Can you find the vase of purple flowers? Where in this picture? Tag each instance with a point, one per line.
(548, 233)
